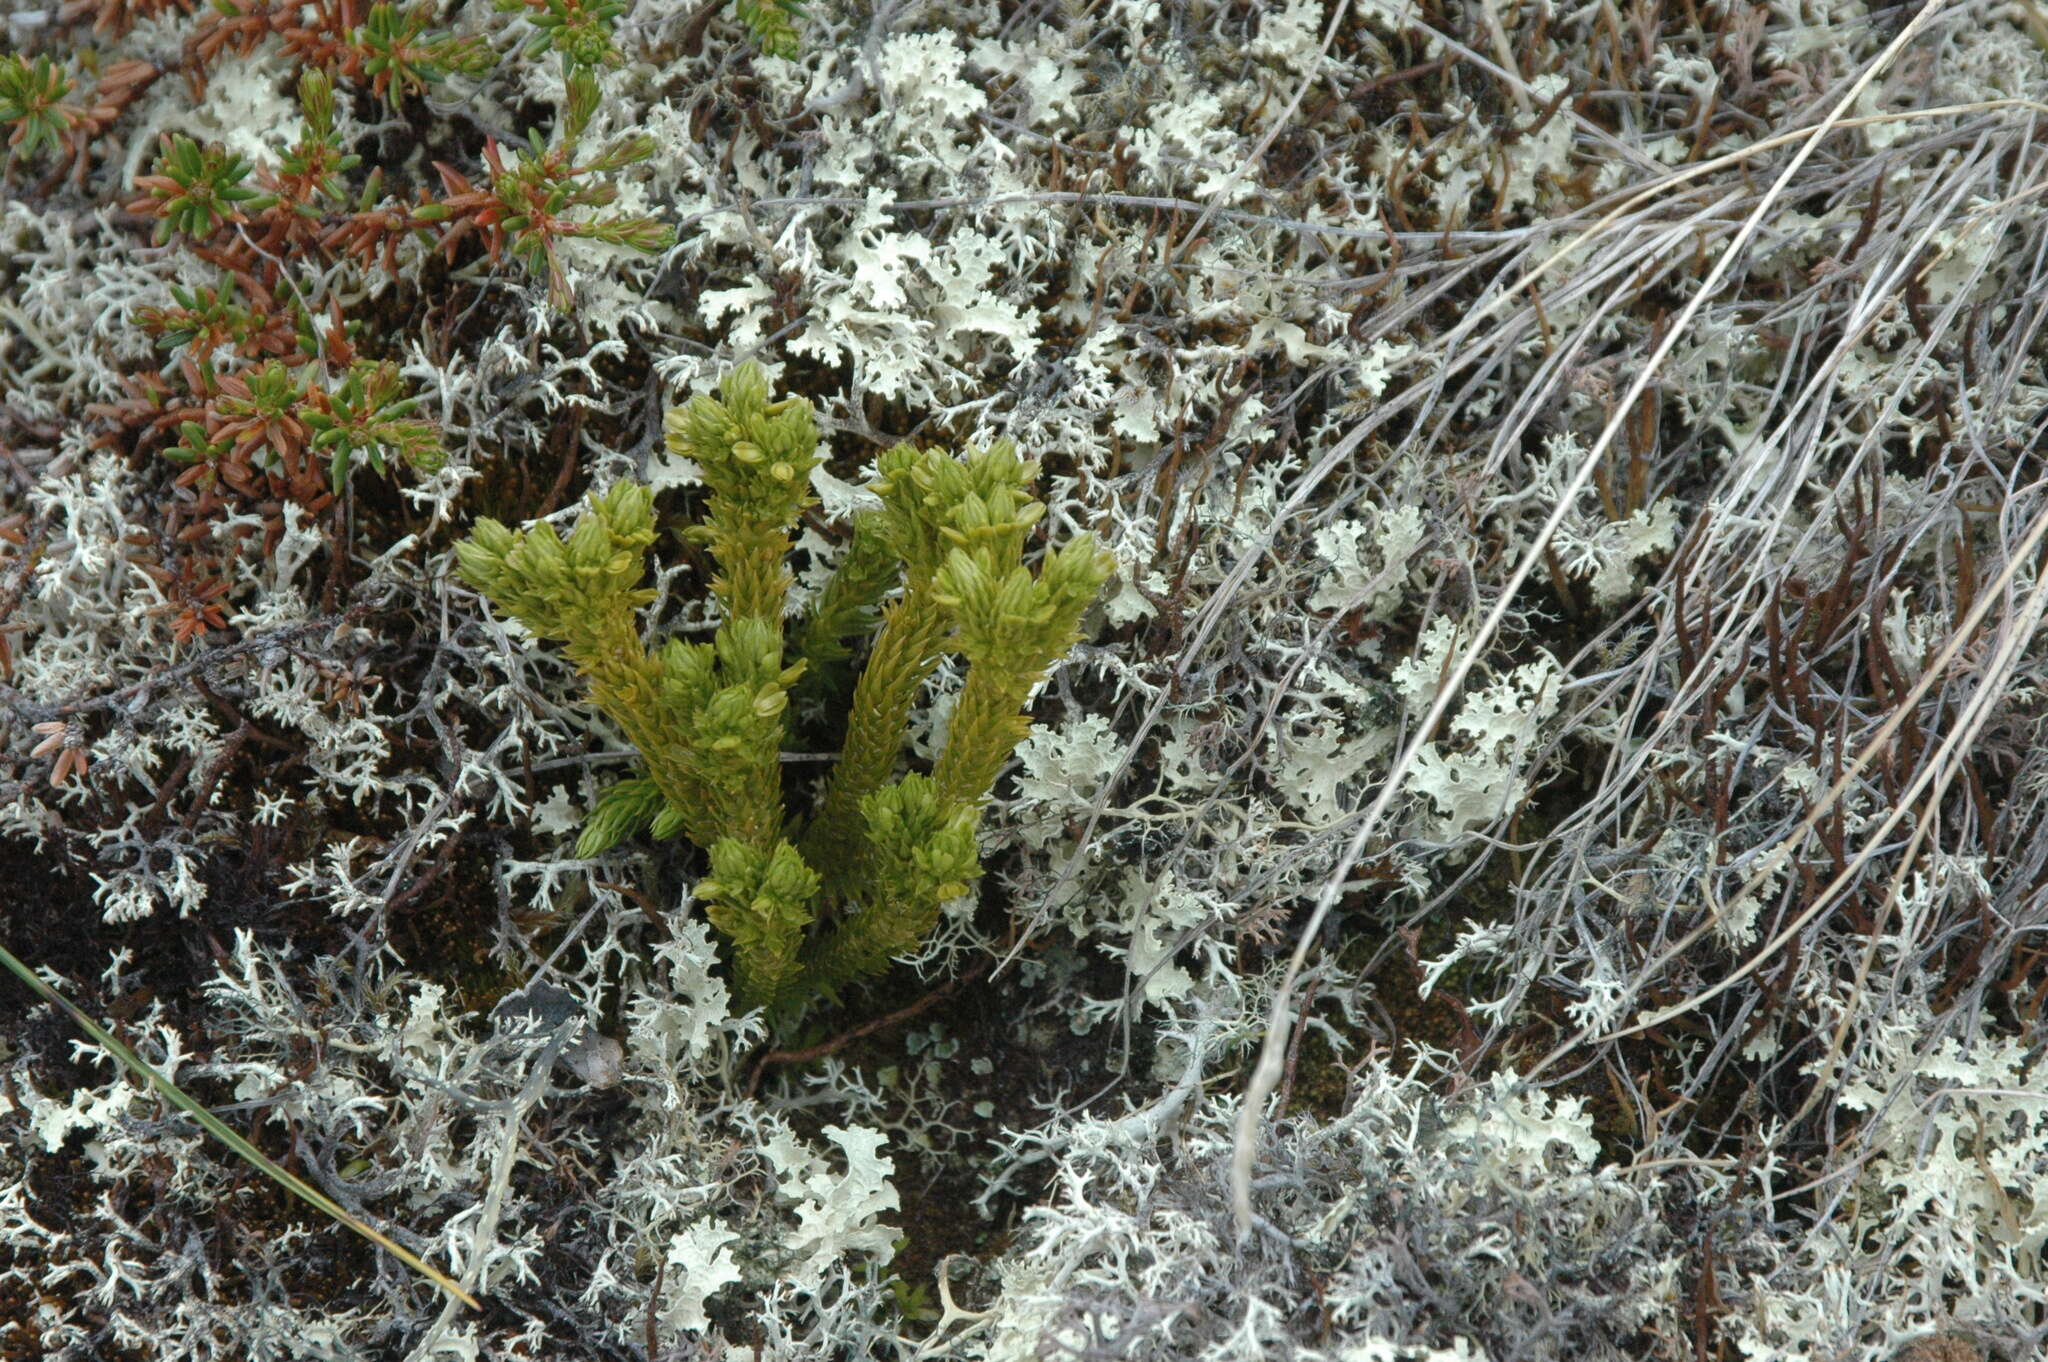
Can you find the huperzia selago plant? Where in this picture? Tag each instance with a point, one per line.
(809, 905)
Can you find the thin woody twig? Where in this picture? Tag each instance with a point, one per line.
(841, 1041)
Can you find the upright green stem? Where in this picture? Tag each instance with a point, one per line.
(753, 576)
(987, 724)
(624, 687)
(912, 636)
(754, 583)
(846, 607)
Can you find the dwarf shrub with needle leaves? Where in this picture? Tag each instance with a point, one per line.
(809, 907)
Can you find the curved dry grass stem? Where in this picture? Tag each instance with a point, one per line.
(1266, 1075)
(1995, 673)
(213, 1125)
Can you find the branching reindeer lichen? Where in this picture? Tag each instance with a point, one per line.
(809, 907)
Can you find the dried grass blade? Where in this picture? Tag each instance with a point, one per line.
(255, 1157)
